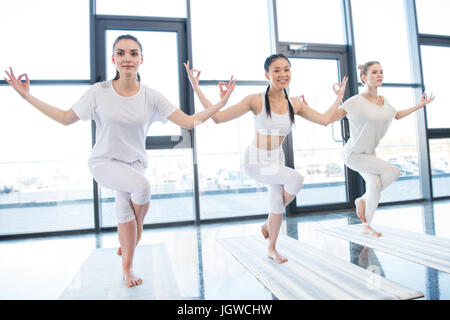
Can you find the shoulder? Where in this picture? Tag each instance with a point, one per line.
(352, 103)
(354, 100)
(151, 93)
(101, 85)
(254, 102)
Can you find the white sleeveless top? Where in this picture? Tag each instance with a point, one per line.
(277, 125)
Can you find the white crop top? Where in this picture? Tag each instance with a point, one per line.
(277, 125)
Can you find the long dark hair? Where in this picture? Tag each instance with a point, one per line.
(267, 63)
(129, 37)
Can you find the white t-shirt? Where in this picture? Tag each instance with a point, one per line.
(368, 124)
(121, 122)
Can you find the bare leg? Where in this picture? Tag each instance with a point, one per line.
(140, 212)
(287, 198)
(274, 224)
(360, 204)
(127, 238)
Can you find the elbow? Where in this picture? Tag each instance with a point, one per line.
(325, 122)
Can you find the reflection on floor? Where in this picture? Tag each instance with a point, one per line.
(42, 268)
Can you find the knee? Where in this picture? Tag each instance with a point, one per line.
(296, 184)
(395, 172)
(142, 193)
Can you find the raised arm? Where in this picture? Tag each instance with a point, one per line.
(228, 114)
(191, 121)
(423, 101)
(23, 88)
(331, 115)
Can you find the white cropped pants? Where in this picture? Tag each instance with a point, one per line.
(267, 166)
(128, 182)
(377, 173)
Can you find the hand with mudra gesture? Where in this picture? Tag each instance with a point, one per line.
(225, 88)
(339, 88)
(22, 87)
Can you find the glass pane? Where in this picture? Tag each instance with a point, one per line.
(440, 166)
(304, 21)
(374, 22)
(153, 8)
(316, 154)
(436, 67)
(163, 61)
(432, 16)
(45, 184)
(47, 39)
(225, 190)
(399, 146)
(221, 47)
(171, 179)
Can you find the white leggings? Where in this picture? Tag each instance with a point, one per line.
(128, 182)
(267, 166)
(377, 173)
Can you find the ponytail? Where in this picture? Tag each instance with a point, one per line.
(291, 108)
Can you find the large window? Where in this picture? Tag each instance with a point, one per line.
(231, 39)
(440, 166)
(435, 68)
(153, 8)
(374, 23)
(432, 16)
(319, 21)
(47, 39)
(45, 184)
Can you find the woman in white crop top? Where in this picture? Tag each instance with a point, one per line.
(264, 158)
(123, 110)
(369, 116)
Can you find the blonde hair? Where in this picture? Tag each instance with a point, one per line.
(365, 67)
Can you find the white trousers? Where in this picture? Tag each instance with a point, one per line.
(128, 182)
(377, 173)
(267, 166)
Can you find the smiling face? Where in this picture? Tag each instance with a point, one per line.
(127, 57)
(279, 73)
(374, 76)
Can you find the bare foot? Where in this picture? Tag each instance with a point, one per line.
(265, 231)
(361, 209)
(131, 279)
(275, 256)
(368, 230)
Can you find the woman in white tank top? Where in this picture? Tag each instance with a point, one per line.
(370, 115)
(274, 114)
(123, 109)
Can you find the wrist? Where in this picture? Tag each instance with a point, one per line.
(26, 96)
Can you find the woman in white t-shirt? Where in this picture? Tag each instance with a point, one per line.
(123, 109)
(370, 115)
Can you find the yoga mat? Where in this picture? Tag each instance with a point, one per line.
(425, 249)
(100, 277)
(311, 273)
